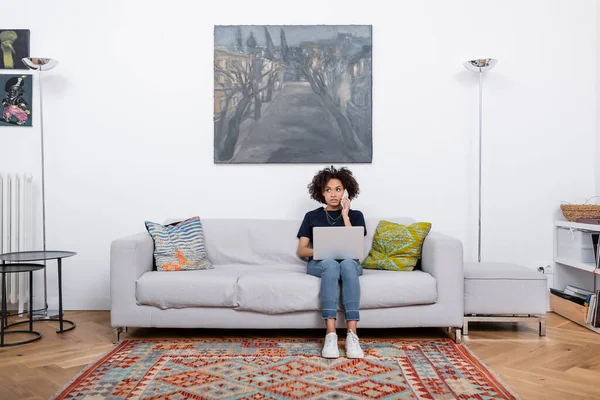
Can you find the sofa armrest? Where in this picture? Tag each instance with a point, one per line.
(130, 257)
(443, 258)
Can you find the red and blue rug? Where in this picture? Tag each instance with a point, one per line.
(285, 369)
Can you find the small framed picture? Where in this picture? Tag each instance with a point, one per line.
(14, 44)
(15, 103)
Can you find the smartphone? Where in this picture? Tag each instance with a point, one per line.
(344, 195)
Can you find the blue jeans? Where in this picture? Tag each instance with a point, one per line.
(330, 271)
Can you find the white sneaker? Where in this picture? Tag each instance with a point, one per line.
(330, 348)
(353, 349)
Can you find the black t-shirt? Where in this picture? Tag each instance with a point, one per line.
(318, 217)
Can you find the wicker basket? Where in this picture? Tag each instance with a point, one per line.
(574, 211)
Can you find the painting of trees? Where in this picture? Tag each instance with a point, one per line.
(242, 77)
(306, 100)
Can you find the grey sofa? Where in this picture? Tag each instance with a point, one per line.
(258, 281)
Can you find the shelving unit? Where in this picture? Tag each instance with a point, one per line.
(589, 267)
(574, 271)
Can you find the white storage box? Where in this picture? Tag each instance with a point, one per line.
(575, 245)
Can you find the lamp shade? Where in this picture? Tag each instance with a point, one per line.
(480, 64)
(41, 64)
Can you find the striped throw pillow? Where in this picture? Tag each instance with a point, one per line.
(179, 246)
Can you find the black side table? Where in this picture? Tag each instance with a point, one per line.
(44, 255)
(10, 269)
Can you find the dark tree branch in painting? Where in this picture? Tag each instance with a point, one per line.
(243, 77)
(322, 67)
(229, 93)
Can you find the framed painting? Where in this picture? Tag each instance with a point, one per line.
(14, 44)
(292, 94)
(16, 100)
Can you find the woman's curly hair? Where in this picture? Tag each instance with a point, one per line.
(319, 181)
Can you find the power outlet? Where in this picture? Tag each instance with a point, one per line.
(545, 267)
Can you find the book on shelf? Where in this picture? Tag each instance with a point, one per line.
(592, 304)
(574, 290)
(573, 293)
(593, 310)
(595, 237)
(588, 299)
(596, 313)
(574, 299)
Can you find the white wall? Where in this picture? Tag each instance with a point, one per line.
(597, 101)
(117, 156)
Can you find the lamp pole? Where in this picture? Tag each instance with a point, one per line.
(42, 64)
(480, 66)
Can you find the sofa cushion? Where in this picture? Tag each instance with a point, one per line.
(179, 246)
(501, 271)
(207, 288)
(264, 242)
(396, 288)
(252, 242)
(396, 247)
(278, 291)
(503, 288)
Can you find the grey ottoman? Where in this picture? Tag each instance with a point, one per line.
(502, 292)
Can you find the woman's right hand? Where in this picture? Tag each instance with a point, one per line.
(345, 206)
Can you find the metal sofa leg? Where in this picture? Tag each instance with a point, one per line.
(542, 324)
(466, 327)
(457, 335)
(118, 330)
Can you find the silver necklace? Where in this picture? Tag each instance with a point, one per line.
(330, 219)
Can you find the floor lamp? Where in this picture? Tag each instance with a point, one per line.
(480, 66)
(40, 65)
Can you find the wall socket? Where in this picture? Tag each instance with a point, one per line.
(545, 267)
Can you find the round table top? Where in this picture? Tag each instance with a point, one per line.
(35, 255)
(11, 268)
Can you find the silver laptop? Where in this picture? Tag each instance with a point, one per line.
(338, 242)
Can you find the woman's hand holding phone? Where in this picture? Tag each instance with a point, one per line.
(345, 204)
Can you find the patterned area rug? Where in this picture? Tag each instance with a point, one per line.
(285, 369)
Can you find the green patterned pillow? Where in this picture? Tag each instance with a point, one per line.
(396, 247)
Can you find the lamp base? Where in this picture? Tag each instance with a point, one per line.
(45, 314)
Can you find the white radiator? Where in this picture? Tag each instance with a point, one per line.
(16, 230)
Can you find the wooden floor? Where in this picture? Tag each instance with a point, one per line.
(563, 365)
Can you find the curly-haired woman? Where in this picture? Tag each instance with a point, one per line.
(327, 187)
